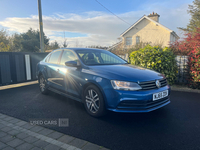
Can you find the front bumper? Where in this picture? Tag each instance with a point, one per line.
(137, 101)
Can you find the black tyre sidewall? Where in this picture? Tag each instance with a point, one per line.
(102, 109)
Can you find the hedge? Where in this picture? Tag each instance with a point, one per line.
(156, 58)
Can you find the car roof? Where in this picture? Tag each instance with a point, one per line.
(76, 49)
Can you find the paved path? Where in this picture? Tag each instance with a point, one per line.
(21, 135)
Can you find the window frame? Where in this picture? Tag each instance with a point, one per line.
(137, 40)
(130, 40)
(46, 60)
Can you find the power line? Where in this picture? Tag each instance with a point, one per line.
(112, 12)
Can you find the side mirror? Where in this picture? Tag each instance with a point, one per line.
(71, 64)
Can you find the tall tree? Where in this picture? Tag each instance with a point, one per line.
(98, 47)
(65, 44)
(30, 41)
(4, 41)
(15, 42)
(194, 11)
(55, 45)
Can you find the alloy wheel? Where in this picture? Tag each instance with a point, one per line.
(42, 83)
(92, 101)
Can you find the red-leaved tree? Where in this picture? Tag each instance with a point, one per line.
(190, 46)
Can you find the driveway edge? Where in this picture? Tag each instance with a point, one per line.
(184, 89)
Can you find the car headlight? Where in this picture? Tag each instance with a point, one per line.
(123, 85)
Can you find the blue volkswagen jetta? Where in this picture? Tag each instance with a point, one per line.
(102, 81)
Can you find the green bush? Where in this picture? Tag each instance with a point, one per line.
(158, 59)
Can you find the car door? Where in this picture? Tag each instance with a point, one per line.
(52, 68)
(71, 75)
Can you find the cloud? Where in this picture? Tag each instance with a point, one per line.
(101, 28)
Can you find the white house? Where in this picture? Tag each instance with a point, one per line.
(148, 30)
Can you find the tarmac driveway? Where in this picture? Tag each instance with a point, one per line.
(176, 126)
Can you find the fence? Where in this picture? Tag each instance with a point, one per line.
(182, 69)
(16, 67)
(125, 57)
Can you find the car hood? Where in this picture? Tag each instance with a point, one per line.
(125, 72)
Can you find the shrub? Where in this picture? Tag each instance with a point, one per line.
(190, 46)
(194, 68)
(158, 59)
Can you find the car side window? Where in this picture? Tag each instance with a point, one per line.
(47, 59)
(68, 56)
(54, 57)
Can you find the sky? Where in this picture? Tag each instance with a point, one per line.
(86, 22)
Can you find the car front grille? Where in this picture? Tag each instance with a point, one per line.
(151, 85)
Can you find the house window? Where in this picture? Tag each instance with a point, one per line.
(137, 39)
(129, 41)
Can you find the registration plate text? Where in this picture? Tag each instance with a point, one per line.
(160, 95)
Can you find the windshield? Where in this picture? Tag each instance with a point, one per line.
(99, 57)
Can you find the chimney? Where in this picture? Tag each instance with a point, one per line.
(154, 16)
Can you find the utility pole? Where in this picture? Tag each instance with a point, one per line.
(41, 27)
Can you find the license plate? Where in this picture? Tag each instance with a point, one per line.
(160, 95)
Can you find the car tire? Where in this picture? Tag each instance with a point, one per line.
(94, 102)
(42, 85)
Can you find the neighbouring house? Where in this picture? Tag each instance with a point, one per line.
(147, 30)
